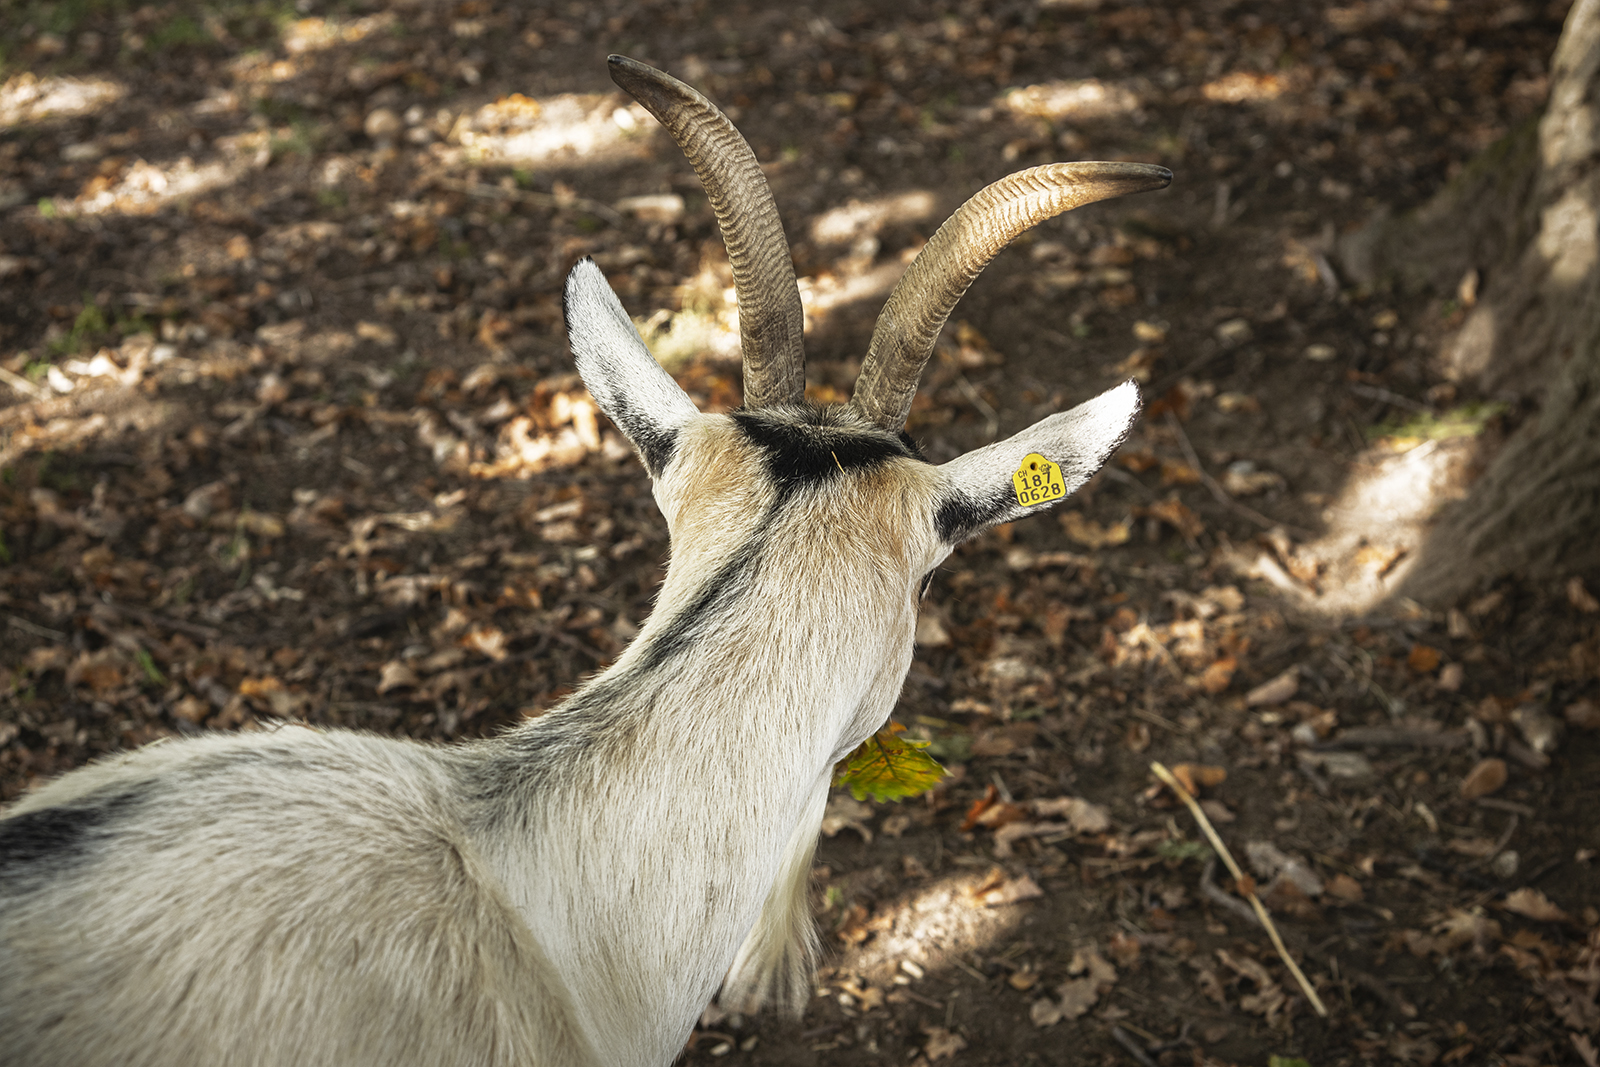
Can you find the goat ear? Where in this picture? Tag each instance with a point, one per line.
(623, 377)
(979, 490)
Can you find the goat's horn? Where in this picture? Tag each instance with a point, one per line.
(927, 292)
(770, 318)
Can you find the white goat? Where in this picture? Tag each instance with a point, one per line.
(574, 891)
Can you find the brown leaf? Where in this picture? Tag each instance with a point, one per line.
(1487, 777)
(1581, 598)
(1276, 691)
(395, 675)
(942, 1043)
(1345, 888)
(1083, 816)
(1091, 534)
(1423, 659)
(1215, 678)
(1198, 776)
(1010, 891)
(1534, 905)
(1583, 714)
(1175, 513)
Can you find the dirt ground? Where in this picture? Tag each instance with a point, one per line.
(290, 431)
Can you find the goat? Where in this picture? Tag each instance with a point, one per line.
(574, 891)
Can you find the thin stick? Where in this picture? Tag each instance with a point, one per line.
(1176, 786)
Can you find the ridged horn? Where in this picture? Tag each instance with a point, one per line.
(922, 300)
(771, 323)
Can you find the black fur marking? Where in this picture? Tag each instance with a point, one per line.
(806, 446)
(711, 603)
(922, 589)
(960, 516)
(51, 840)
(656, 446)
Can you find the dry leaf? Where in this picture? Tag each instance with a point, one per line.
(1082, 816)
(1198, 776)
(1276, 691)
(1423, 659)
(395, 675)
(1216, 677)
(1345, 888)
(942, 1043)
(1581, 598)
(1534, 905)
(1091, 534)
(1487, 777)
(1175, 513)
(1010, 891)
(1583, 714)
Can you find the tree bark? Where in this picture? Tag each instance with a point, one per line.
(1527, 216)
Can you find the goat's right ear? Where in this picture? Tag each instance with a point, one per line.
(623, 377)
(980, 488)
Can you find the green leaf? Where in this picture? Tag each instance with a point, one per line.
(887, 766)
(1287, 1061)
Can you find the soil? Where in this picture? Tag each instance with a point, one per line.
(291, 431)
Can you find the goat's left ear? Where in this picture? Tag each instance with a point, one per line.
(987, 485)
(623, 377)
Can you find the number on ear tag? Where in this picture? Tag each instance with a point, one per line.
(1038, 481)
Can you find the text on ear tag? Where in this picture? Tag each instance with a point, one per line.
(1038, 481)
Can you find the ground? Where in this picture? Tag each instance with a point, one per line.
(290, 430)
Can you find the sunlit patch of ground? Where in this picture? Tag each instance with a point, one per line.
(28, 98)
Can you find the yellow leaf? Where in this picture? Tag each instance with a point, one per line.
(888, 767)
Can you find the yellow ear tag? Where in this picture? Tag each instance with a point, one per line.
(1038, 481)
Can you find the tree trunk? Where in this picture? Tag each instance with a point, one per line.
(1527, 215)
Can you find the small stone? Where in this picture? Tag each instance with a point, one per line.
(1234, 332)
(382, 124)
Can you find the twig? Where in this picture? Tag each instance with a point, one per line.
(1392, 399)
(495, 192)
(975, 398)
(1267, 924)
(1220, 493)
(1134, 1049)
(150, 618)
(1376, 986)
(35, 629)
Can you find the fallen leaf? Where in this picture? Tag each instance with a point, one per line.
(1197, 776)
(1345, 888)
(942, 1043)
(1177, 514)
(845, 813)
(395, 675)
(1276, 691)
(1216, 677)
(1423, 659)
(1010, 891)
(1534, 905)
(1487, 777)
(1091, 534)
(1583, 714)
(1084, 817)
(1581, 598)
